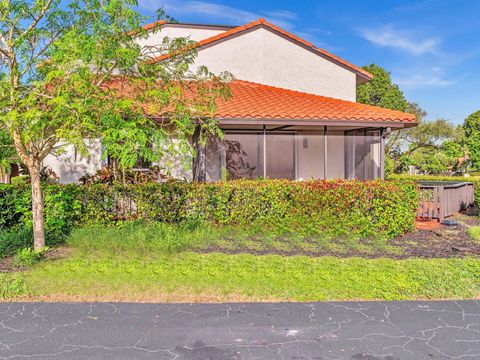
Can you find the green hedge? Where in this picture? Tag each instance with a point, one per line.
(316, 208)
(473, 179)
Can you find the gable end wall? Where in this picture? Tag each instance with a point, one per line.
(265, 57)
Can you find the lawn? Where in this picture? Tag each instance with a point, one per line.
(474, 233)
(159, 263)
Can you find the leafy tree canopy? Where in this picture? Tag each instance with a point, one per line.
(431, 146)
(381, 91)
(471, 126)
(63, 64)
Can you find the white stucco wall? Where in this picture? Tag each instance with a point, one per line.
(176, 31)
(265, 57)
(70, 166)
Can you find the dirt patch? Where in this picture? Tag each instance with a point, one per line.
(429, 240)
(8, 265)
(57, 253)
(441, 242)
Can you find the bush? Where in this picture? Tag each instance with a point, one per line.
(328, 209)
(473, 179)
(61, 211)
(14, 238)
(29, 257)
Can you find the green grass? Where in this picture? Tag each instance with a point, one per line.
(474, 233)
(130, 263)
(197, 236)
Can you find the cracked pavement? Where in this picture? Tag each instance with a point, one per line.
(328, 330)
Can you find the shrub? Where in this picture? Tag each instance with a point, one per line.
(14, 238)
(29, 257)
(312, 208)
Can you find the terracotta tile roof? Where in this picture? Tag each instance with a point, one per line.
(154, 24)
(257, 101)
(262, 22)
(263, 102)
(149, 26)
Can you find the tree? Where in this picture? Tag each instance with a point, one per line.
(417, 146)
(63, 72)
(7, 153)
(380, 91)
(471, 125)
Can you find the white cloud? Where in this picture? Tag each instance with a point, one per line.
(388, 36)
(218, 13)
(282, 14)
(428, 77)
(418, 80)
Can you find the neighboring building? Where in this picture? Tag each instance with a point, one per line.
(292, 113)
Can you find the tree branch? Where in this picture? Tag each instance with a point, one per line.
(36, 20)
(20, 147)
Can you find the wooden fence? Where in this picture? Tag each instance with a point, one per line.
(439, 200)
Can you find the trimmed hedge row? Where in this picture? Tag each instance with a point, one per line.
(473, 179)
(322, 208)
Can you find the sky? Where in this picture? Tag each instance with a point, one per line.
(430, 47)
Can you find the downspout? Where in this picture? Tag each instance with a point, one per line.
(264, 152)
(325, 149)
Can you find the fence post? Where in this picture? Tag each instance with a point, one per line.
(441, 198)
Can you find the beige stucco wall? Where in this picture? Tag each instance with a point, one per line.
(70, 165)
(265, 57)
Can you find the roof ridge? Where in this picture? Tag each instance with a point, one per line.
(262, 21)
(315, 96)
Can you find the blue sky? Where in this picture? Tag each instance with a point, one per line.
(431, 47)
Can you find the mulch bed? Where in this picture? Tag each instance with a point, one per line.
(429, 240)
(440, 241)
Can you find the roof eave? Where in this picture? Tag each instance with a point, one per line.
(306, 122)
(317, 122)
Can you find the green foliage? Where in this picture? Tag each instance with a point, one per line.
(380, 91)
(63, 71)
(474, 233)
(28, 256)
(19, 180)
(195, 235)
(471, 125)
(328, 209)
(432, 146)
(12, 287)
(13, 239)
(8, 155)
(187, 277)
(61, 211)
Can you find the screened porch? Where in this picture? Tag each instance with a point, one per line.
(286, 152)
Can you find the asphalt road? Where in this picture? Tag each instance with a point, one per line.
(357, 330)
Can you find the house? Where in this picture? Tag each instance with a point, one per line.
(293, 112)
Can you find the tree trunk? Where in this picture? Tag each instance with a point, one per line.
(37, 207)
(199, 161)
